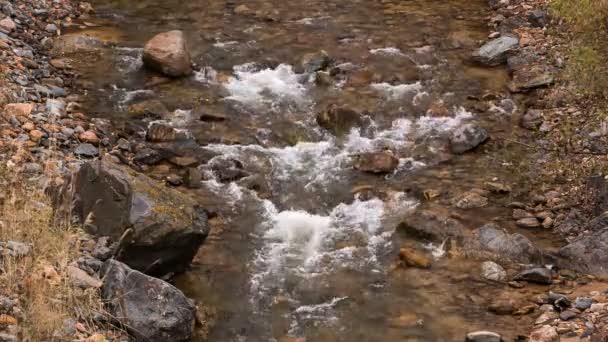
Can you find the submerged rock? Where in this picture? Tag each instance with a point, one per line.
(161, 132)
(467, 137)
(496, 51)
(75, 43)
(413, 258)
(470, 200)
(158, 230)
(339, 120)
(167, 53)
(376, 162)
(149, 308)
(545, 333)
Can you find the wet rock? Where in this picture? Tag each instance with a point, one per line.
(496, 51)
(193, 178)
(536, 275)
(86, 150)
(167, 53)
(174, 180)
(531, 77)
(583, 303)
(314, 62)
(148, 109)
(519, 214)
(430, 225)
(498, 188)
(538, 18)
(493, 271)
(588, 254)
(75, 43)
(149, 308)
(413, 258)
(545, 333)
(467, 137)
(376, 162)
(493, 239)
(528, 222)
(159, 230)
(162, 132)
(532, 119)
(81, 279)
(559, 301)
(483, 336)
(470, 200)
(148, 156)
(339, 120)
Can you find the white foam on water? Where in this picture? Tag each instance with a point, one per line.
(301, 244)
(322, 312)
(395, 92)
(387, 51)
(225, 45)
(431, 125)
(252, 86)
(318, 163)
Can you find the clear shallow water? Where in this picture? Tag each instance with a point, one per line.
(312, 252)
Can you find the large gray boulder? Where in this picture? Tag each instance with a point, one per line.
(158, 230)
(496, 51)
(149, 308)
(588, 254)
(167, 53)
(491, 241)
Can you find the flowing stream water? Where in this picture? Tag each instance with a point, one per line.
(310, 250)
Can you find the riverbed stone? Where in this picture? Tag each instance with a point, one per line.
(414, 258)
(587, 254)
(545, 333)
(158, 229)
(492, 239)
(496, 51)
(163, 132)
(536, 275)
(376, 162)
(316, 61)
(470, 200)
(493, 271)
(467, 137)
(532, 119)
(432, 224)
(338, 119)
(149, 308)
(583, 303)
(75, 43)
(528, 222)
(483, 336)
(168, 54)
(86, 150)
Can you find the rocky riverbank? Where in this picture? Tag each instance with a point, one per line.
(86, 283)
(138, 230)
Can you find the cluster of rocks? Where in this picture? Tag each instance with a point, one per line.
(138, 230)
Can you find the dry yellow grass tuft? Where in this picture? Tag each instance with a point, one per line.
(37, 279)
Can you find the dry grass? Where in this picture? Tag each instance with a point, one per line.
(46, 296)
